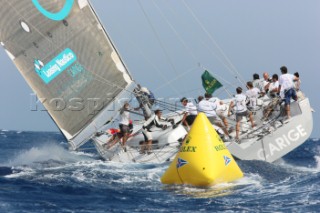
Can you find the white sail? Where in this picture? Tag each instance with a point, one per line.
(68, 60)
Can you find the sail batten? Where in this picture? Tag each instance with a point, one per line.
(71, 64)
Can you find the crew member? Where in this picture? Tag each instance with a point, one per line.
(153, 121)
(190, 113)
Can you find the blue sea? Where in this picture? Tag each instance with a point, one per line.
(39, 174)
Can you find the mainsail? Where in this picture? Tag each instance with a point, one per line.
(67, 58)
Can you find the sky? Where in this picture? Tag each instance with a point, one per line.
(167, 44)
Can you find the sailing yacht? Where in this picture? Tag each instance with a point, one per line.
(68, 57)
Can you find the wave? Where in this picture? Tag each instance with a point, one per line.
(47, 154)
(5, 171)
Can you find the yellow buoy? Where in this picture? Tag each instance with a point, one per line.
(203, 159)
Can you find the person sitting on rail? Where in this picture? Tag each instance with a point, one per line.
(272, 93)
(190, 113)
(154, 121)
(297, 84)
(116, 135)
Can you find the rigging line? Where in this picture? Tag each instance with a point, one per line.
(219, 76)
(176, 32)
(175, 79)
(212, 40)
(166, 108)
(169, 108)
(102, 78)
(225, 88)
(165, 105)
(208, 34)
(223, 63)
(109, 83)
(214, 54)
(158, 38)
(184, 43)
(153, 65)
(189, 91)
(219, 58)
(50, 41)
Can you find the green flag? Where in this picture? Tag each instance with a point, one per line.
(210, 84)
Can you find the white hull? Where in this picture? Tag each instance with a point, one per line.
(282, 139)
(165, 146)
(267, 142)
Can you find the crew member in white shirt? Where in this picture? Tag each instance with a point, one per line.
(258, 83)
(124, 123)
(239, 102)
(154, 121)
(286, 88)
(190, 112)
(266, 81)
(209, 108)
(273, 86)
(253, 94)
(222, 109)
(297, 84)
(272, 93)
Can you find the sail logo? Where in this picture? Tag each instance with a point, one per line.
(181, 163)
(38, 66)
(56, 66)
(227, 160)
(59, 16)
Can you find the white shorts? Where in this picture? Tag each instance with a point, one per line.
(222, 111)
(147, 135)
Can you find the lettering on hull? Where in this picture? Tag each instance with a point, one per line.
(282, 142)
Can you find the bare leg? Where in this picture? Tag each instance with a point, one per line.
(225, 122)
(110, 140)
(288, 110)
(268, 111)
(149, 145)
(143, 147)
(124, 139)
(251, 119)
(113, 140)
(223, 128)
(237, 130)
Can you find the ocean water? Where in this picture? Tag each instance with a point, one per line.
(39, 174)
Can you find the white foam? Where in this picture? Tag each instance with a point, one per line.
(23, 172)
(46, 152)
(317, 158)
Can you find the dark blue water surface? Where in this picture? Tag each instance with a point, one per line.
(39, 174)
